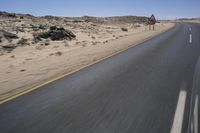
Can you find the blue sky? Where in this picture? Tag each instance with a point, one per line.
(162, 9)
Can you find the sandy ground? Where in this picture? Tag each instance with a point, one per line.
(190, 21)
(32, 65)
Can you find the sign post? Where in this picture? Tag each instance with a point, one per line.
(151, 22)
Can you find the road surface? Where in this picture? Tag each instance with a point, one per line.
(150, 88)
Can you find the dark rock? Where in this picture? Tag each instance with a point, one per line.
(124, 29)
(29, 15)
(46, 43)
(9, 47)
(53, 28)
(6, 14)
(33, 26)
(8, 35)
(20, 30)
(37, 27)
(58, 53)
(12, 15)
(36, 38)
(12, 56)
(56, 33)
(42, 27)
(22, 70)
(23, 42)
(52, 18)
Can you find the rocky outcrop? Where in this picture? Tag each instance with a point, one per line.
(23, 42)
(8, 35)
(8, 15)
(8, 47)
(124, 29)
(56, 33)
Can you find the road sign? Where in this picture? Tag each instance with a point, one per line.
(152, 19)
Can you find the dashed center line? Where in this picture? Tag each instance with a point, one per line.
(190, 38)
(190, 29)
(178, 118)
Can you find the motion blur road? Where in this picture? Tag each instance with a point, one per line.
(150, 88)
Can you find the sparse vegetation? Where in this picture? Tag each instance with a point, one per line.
(22, 70)
(47, 42)
(94, 43)
(93, 37)
(124, 29)
(84, 45)
(58, 53)
(12, 56)
(23, 42)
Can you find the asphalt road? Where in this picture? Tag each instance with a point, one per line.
(136, 91)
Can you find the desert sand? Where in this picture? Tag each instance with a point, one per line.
(27, 61)
(192, 20)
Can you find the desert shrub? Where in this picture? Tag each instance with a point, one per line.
(124, 29)
(58, 53)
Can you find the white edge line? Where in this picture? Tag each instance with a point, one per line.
(196, 115)
(190, 125)
(178, 117)
(190, 38)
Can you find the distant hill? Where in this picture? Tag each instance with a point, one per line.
(14, 15)
(107, 20)
(116, 19)
(194, 20)
(188, 19)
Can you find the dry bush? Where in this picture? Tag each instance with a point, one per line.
(84, 45)
(105, 41)
(12, 56)
(58, 53)
(94, 43)
(77, 43)
(47, 42)
(124, 29)
(22, 70)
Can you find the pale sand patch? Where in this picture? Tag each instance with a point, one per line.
(190, 21)
(32, 66)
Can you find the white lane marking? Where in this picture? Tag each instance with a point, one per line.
(192, 127)
(190, 40)
(195, 116)
(190, 29)
(178, 118)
